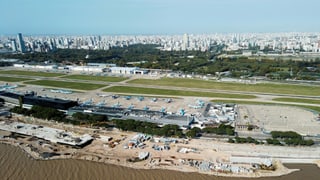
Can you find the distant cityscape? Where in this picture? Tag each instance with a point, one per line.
(274, 43)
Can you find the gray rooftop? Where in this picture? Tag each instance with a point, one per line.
(47, 133)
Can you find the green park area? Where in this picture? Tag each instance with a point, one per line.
(31, 73)
(261, 88)
(65, 84)
(96, 78)
(12, 79)
(169, 92)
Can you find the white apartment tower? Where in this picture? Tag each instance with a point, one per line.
(13, 45)
(185, 43)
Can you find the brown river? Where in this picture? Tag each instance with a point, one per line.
(16, 164)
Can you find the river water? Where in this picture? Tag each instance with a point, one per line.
(16, 164)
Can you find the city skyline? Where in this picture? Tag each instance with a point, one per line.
(158, 17)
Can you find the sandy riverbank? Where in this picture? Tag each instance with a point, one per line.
(280, 169)
(317, 163)
(108, 147)
(113, 152)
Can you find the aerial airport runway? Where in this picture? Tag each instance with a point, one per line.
(260, 97)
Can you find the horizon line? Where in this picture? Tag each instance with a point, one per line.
(148, 34)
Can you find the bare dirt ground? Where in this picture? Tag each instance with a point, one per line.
(280, 118)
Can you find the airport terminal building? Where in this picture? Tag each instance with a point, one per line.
(160, 118)
(30, 98)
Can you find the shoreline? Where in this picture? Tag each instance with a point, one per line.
(120, 161)
(108, 147)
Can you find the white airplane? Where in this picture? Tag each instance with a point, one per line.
(163, 109)
(65, 91)
(102, 95)
(54, 90)
(194, 106)
(131, 106)
(117, 105)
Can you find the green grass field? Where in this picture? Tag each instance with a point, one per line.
(12, 79)
(168, 92)
(298, 100)
(314, 108)
(96, 78)
(263, 88)
(31, 73)
(70, 85)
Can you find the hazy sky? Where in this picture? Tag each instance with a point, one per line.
(157, 16)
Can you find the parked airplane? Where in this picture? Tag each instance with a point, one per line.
(127, 97)
(140, 98)
(101, 103)
(102, 95)
(117, 105)
(163, 109)
(146, 108)
(169, 100)
(182, 112)
(115, 96)
(131, 106)
(195, 106)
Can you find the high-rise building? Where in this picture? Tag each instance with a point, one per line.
(185, 42)
(13, 45)
(21, 46)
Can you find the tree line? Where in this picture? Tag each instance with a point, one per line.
(148, 56)
(289, 138)
(222, 129)
(48, 113)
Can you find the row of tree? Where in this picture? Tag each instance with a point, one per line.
(285, 135)
(40, 112)
(56, 115)
(201, 63)
(288, 138)
(222, 129)
(273, 141)
(168, 130)
(294, 142)
(89, 118)
(244, 140)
